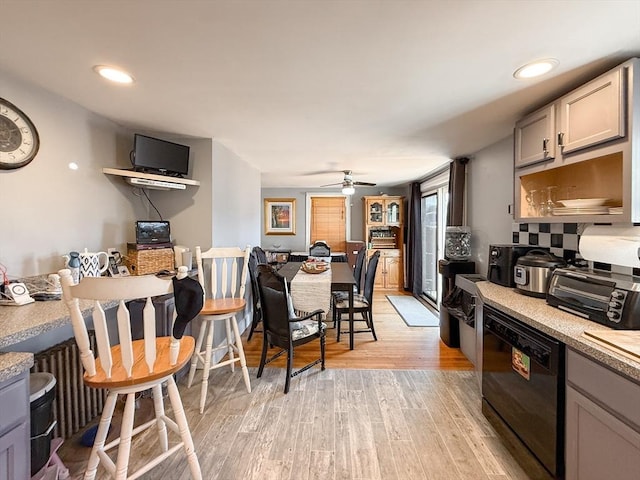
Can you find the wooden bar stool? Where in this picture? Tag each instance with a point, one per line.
(224, 299)
(130, 367)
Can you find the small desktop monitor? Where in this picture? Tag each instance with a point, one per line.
(150, 232)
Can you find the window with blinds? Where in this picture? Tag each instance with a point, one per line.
(328, 222)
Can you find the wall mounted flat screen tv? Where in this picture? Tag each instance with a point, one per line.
(159, 156)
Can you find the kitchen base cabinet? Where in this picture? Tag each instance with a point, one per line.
(598, 444)
(602, 422)
(15, 447)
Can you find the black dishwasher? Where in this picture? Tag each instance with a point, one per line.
(523, 382)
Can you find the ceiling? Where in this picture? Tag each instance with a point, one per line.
(388, 89)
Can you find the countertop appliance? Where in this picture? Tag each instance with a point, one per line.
(502, 260)
(604, 297)
(523, 383)
(533, 271)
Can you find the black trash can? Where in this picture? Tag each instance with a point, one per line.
(449, 330)
(42, 392)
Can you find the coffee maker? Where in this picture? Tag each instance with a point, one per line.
(502, 259)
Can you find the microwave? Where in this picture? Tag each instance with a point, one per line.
(604, 297)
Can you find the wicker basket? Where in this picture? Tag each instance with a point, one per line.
(144, 262)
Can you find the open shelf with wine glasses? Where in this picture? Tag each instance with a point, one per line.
(589, 191)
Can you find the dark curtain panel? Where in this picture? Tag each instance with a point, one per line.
(455, 211)
(414, 241)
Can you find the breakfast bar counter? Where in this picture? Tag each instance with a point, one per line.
(561, 325)
(18, 324)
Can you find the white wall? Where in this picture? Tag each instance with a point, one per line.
(236, 200)
(190, 211)
(48, 209)
(489, 194)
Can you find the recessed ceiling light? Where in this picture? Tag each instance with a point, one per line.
(537, 68)
(73, 166)
(113, 74)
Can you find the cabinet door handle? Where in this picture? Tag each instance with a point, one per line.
(560, 139)
(545, 150)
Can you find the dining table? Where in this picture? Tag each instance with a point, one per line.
(342, 279)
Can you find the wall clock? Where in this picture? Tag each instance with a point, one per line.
(19, 141)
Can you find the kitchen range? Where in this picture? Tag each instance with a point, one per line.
(533, 369)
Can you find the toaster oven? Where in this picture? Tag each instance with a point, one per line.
(604, 297)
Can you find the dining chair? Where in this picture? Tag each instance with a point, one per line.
(224, 289)
(340, 295)
(362, 302)
(282, 327)
(358, 269)
(131, 366)
(257, 257)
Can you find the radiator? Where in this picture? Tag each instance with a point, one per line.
(75, 405)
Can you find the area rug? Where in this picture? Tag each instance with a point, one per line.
(414, 313)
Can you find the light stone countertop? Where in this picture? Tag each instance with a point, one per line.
(14, 363)
(558, 324)
(18, 324)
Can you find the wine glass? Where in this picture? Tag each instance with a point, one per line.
(547, 206)
(532, 210)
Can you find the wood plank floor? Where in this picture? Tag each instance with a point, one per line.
(402, 408)
(398, 347)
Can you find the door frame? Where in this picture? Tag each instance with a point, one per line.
(347, 217)
(438, 185)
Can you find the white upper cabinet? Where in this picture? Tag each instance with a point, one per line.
(535, 137)
(584, 146)
(593, 114)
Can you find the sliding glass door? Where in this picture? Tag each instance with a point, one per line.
(434, 207)
(430, 247)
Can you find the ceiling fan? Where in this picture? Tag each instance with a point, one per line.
(348, 185)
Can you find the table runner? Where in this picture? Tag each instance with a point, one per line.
(311, 291)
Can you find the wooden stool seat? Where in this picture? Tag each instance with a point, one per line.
(221, 306)
(140, 371)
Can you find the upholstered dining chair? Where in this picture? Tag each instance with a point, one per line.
(281, 327)
(357, 274)
(257, 257)
(358, 269)
(130, 367)
(362, 302)
(224, 300)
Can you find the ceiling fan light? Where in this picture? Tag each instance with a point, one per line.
(348, 190)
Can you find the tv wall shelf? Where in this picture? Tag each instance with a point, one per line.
(152, 181)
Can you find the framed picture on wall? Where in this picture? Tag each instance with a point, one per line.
(280, 216)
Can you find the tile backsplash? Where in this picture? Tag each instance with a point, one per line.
(562, 239)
